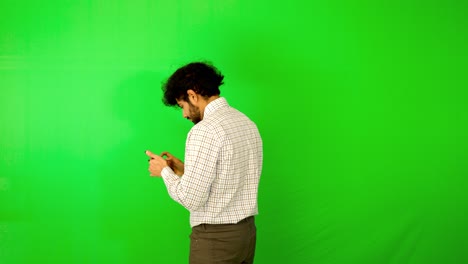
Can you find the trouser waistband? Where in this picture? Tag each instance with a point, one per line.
(249, 219)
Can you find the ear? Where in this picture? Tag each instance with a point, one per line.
(192, 96)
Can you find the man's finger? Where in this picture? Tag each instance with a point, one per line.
(167, 154)
(150, 154)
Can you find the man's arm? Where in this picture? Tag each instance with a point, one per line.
(201, 156)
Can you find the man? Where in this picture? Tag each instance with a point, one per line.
(218, 183)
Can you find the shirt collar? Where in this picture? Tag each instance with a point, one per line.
(215, 105)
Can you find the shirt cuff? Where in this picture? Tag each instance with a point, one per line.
(168, 173)
(171, 180)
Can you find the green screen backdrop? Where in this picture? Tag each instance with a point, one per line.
(362, 106)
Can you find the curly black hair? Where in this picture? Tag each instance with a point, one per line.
(202, 77)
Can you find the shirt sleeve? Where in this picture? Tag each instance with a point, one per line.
(192, 189)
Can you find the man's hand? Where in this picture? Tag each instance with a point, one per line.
(156, 164)
(176, 164)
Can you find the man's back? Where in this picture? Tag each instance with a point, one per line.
(232, 144)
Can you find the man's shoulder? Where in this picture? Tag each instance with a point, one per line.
(206, 126)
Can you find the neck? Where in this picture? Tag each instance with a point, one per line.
(206, 102)
(211, 99)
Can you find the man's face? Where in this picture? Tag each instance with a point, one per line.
(189, 111)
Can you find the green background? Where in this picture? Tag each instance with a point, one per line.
(362, 106)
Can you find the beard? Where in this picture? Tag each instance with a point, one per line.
(195, 115)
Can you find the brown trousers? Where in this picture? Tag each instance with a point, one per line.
(223, 244)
